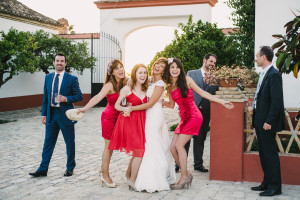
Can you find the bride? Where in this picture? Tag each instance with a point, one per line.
(157, 170)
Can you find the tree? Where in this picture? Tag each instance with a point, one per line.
(243, 17)
(32, 52)
(48, 45)
(197, 40)
(16, 54)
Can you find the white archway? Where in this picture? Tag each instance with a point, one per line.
(124, 17)
(142, 44)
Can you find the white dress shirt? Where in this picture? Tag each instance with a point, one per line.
(60, 78)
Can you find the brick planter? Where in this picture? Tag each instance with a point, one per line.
(228, 161)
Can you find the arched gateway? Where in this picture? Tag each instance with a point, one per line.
(122, 17)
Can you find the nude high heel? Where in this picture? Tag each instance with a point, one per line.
(131, 185)
(109, 185)
(187, 182)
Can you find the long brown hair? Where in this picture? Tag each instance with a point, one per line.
(133, 77)
(109, 77)
(181, 82)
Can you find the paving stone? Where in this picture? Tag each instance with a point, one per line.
(21, 145)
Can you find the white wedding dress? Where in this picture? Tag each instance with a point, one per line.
(157, 170)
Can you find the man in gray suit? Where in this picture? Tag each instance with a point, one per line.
(199, 75)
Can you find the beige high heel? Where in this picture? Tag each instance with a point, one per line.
(131, 185)
(109, 185)
(187, 182)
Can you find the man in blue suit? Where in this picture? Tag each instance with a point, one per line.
(268, 118)
(61, 90)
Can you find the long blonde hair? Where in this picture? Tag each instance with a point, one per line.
(109, 77)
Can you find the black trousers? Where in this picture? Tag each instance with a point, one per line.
(198, 145)
(269, 159)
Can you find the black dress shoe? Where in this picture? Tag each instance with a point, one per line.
(38, 173)
(261, 187)
(201, 168)
(68, 172)
(176, 168)
(270, 193)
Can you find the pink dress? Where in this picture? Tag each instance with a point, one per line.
(129, 132)
(191, 117)
(109, 116)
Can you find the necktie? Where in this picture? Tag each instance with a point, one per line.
(204, 77)
(55, 89)
(257, 89)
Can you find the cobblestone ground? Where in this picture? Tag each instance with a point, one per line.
(20, 153)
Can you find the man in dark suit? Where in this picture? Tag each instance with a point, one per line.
(199, 76)
(61, 90)
(268, 118)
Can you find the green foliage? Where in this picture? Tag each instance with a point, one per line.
(173, 127)
(33, 52)
(284, 141)
(15, 54)
(197, 40)
(288, 53)
(4, 121)
(243, 17)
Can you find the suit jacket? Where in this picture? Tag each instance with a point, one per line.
(69, 88)
(269, 103)
(196, 75)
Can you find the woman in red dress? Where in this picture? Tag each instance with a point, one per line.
(181, 91)
(114, 81)
(129, 132)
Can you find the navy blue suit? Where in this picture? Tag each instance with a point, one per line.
(270, 110)
(56, 119)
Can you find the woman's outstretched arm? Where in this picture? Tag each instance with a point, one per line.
(96, 99)
(207, 95)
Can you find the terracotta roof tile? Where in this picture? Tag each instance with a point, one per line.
(17, 9)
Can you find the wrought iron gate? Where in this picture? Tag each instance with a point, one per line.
(104, 49)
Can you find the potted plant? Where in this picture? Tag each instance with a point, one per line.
(225, 76)
(249, 78)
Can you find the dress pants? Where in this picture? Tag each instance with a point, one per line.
(269, 159)
(198, 145)
(52, 129)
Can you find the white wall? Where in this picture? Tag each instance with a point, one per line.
(270, 18)
(31, 84)
(122, 22)
(6, 24)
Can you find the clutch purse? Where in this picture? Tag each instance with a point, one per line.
(124, 102)
(74, 115)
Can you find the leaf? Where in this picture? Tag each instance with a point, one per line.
(277, 44)
(280, 60)
(295, 71)
(288, 26)
(287, 64)
(277, 36)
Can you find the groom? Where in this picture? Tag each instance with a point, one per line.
(61, 90)
(199, 76)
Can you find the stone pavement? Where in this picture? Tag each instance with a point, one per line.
(20, 153)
